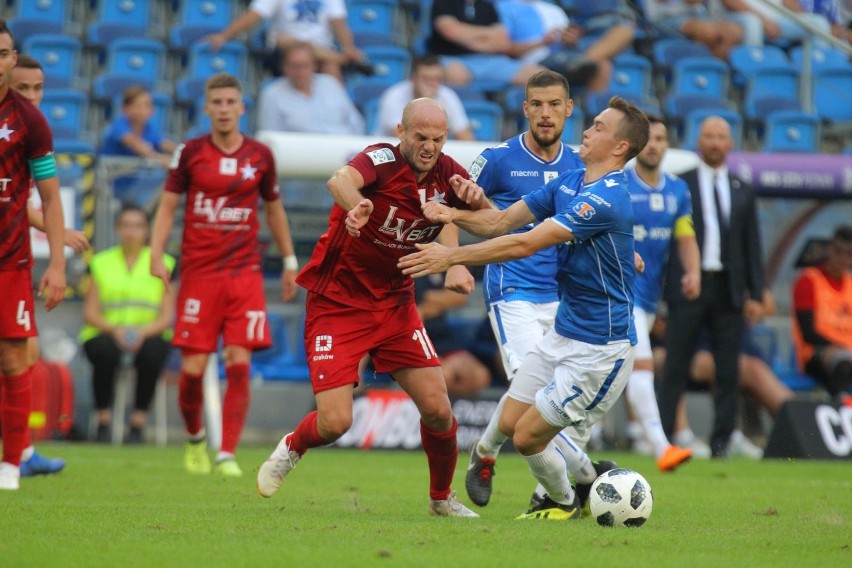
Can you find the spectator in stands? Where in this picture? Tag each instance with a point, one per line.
(822, 329)
(426, 80)
(761, 24)
(464, 374)
(540, 32)
(127, 313)
(474, 46)
(307, 101)
(132, 134)
(690, 19)
(319, 24)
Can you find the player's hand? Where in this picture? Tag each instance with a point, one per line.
(459, 279)
(52, 287)
(431, 258)
(638, 262)
(76, 240)
(467, 190)
(358, 217)
(159, 269)
(288, 285)
(438, 212)
(690, 286)
(752, 311)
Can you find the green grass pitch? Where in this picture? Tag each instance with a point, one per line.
(135, 506)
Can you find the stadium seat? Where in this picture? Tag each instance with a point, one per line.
(700, 76)
(771, 82)
(486, 119)
(133, 61)
(666, 51)
(693, 120)
(832, 89)
(122, 19)
(821, 57)
(631, 75)
(595, 103)
(66, 111)
(41, 17)
(747, 59)
(360, 93)
(199, 18)
(60, 56)
(791, 131)
(231, 58)
(391, 64)
(372, 17)
(756, 110)
(370, 110)
(72, 146)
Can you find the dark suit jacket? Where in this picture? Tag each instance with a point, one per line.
(745, 259)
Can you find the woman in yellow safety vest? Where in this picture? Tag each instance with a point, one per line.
(128, 315)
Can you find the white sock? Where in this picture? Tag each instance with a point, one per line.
(576, 460)
(27, 453)
(222, 456)
(684, 438)
(549, 468)
(492, 438)
(195, 438)
(643, 402)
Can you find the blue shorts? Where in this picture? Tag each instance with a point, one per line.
(490, 68)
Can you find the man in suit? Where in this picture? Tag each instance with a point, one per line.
(725, 216)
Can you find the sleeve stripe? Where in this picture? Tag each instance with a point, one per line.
(43, 167)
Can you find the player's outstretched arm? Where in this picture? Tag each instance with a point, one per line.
(488, 222)
(458, 278)
(345, 187)
(163, 221)
(279, 226)
(53, 282)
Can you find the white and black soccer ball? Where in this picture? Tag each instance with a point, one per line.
(621, 497)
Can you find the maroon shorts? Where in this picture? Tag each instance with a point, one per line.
(231, 305)
(17, 306)
(337, 337)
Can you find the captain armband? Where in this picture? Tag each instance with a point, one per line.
(684, 227)
(43, 167)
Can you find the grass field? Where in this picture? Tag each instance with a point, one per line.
(136, 507)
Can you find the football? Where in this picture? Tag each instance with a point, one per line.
(621, 497)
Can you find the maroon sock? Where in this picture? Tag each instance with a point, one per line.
(442, 452)
(15, 415)
(235, 405)
(306, 435)
(191, 400)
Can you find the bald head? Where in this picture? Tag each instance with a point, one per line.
(422, 134)
(714, 141)
(424, 111)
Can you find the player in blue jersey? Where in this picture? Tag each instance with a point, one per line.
(586, 357)
(521, 295)
(663, 214)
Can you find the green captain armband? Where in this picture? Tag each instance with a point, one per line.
(43, 167)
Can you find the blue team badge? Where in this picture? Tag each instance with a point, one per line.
(584, 210)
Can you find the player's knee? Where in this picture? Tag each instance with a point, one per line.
(438, 418)
(524, 443)
(333, 426)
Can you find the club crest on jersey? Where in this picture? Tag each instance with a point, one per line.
(248, 171)
(381, 156)
(550, 175)
(656, 202)
(228, 166)
(584, 210)
(476, 167)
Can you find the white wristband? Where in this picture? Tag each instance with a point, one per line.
(291, 262)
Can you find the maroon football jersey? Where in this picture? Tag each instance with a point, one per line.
(24, 135)
(362, 271)
(220, 219)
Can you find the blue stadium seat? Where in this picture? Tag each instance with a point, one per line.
(771, 82)
(595, 103)
(133, 61)
(369, 39)
(72, 146)
(372, 17)
(631, 75)
(832, 88)
(486, 119)
(370, 110)
(199, 18)
(791, 131)
(756, 110)
(700, 76)
(121, 19)
(391, 64)
(821, 57)
(231, 58)
(747, 59)
(693, 120)
(678, 106)
(40, 17)
(60, 56)
(188, 90)
(667, 51)
(66, 111)
(361, 93)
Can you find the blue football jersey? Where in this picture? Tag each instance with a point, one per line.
(507, 172)
(656, 210)
(596, 271)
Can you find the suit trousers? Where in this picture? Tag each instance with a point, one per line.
(723, 318)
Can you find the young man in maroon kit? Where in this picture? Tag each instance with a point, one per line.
(359, 302)
(27, 149)
(222, 175)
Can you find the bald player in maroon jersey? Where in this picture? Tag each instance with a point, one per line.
(359, 303)
(27, 149)
(222, 175)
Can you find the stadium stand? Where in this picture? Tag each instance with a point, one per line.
(832, 90)
(486, 119)
(700, 76)
(60, 55)
(198, 18)
(791, 131)
(123, 19)
(375, 17)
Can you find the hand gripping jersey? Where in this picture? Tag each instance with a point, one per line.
(507, 172)
(222, 190)
(661, 214)
(595, 271)
(361, 271)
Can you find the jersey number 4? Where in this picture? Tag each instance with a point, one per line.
(23, 315)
